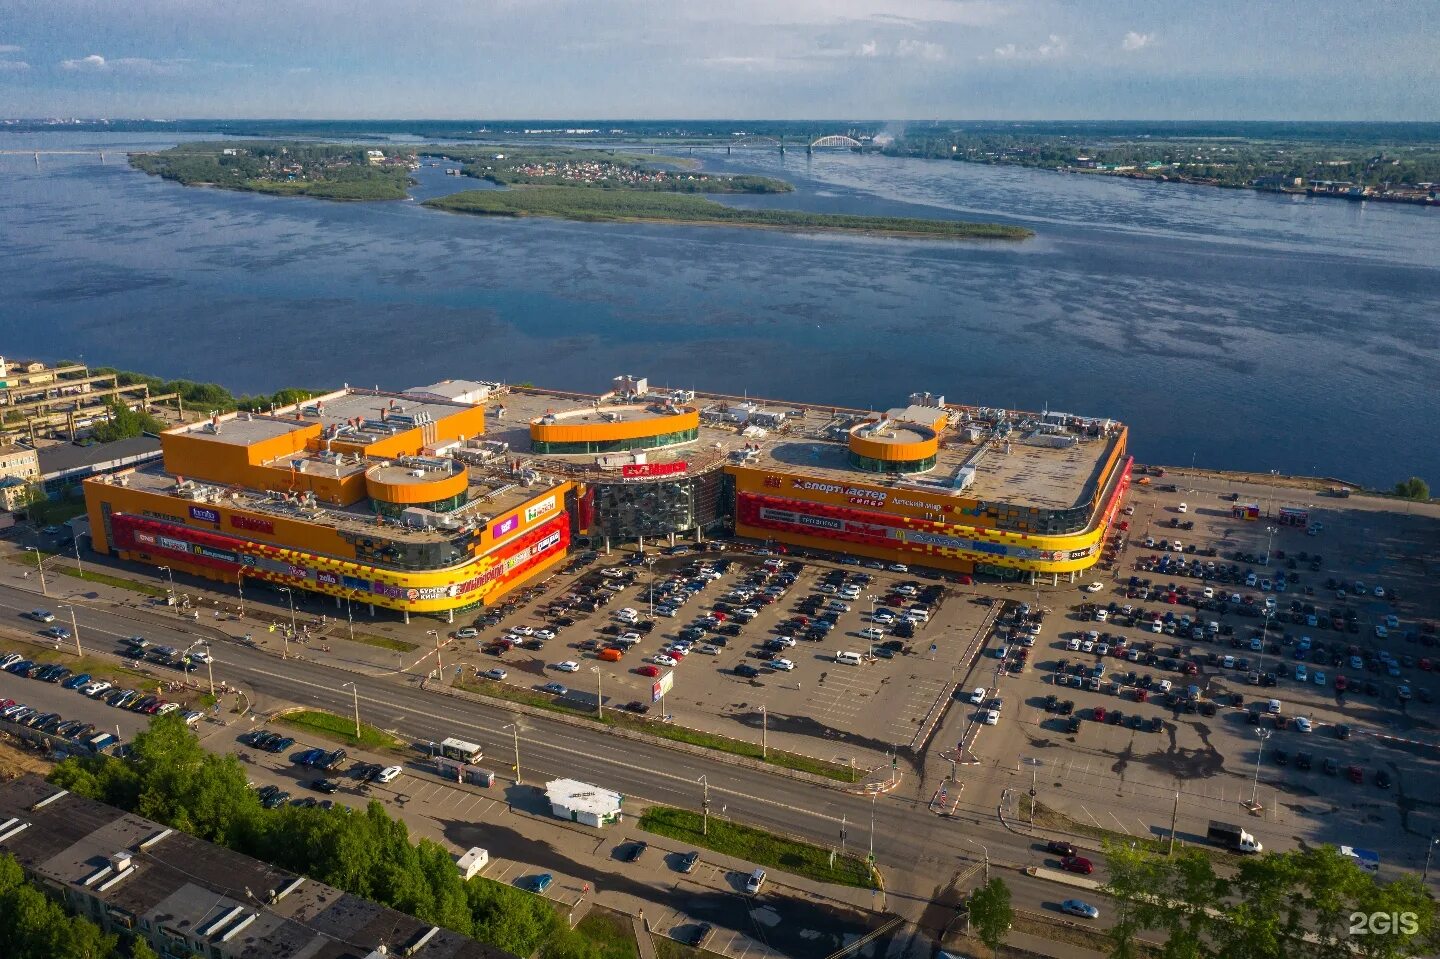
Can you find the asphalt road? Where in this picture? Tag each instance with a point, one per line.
(918, 852)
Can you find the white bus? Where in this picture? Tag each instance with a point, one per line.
(461, 751)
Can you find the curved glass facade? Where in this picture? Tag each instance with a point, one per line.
(870, 465)
(439, 506)
(617, 446)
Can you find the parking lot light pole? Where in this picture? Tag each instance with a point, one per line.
(1264, 734)
(1429, 848)
(764, 731)
(39, 565)
(599, 692)
(356, 690)
(74, 629)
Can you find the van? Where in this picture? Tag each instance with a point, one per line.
(755, 880)
(920, 613)
(608, 655)
(849, 659)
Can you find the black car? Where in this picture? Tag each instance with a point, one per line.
(326, 786)
(688, 862)
(636, 850)
(1072, 725)
(1342, 731)
(702, 932)
(1303, 761)
(746, 670)
(1382, 779)
(637, 707)
(1281, 757)
(1060, 848)
(360, 771)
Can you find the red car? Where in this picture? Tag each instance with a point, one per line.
(1355, 774)
(1341, 683)
(1099, 714)
(1077, 864)
(651, 671)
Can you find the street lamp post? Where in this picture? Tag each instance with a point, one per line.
(209, 669)
(79, 566)
(986, 850)
(515, 728)
(764, 732)
(439, 666)
(873, 797)
(39, 565)
(74, 629)
(170, 573)
(349, 616)
(1269, 542)
(705, 807)
(290, 594)
(1429, 848)
(599, 692)
(240, 588)
(650, 565)
(356, 690)
(1263, 734)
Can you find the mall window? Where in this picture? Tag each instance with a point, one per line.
(618, 446)
(870, 465)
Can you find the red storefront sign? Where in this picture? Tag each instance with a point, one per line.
(252, 524)
(654, 469)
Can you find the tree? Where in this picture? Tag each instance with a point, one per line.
(991, 914)
(34, 926)
(125, 423)
(1413, 488)
(140, 949)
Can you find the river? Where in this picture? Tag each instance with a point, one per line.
(1229, 328)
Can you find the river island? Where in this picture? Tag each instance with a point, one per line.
(586, 185)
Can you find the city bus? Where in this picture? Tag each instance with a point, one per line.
(461, 751)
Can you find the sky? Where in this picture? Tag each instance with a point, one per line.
(702, 59)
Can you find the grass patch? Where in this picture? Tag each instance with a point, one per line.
(339, 727)
(382, 642)
(88, 575)
(611, 933)
(758, 846)
(681, 734)
(591, 205)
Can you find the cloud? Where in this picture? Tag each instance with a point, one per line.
(13, 66)
(1137, 41)
(1055, 46)
(95, 63)
(10, 48)
(919, 50)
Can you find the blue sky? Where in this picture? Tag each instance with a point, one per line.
(882, 59)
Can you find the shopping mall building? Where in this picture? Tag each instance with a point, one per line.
(448, 496)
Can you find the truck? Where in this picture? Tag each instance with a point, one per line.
(1233, 838)
(101, 742)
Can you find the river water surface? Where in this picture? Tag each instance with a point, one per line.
(1236, 329)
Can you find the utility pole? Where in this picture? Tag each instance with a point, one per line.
(74, 630)
(39, 565)
(1429, 848)
(1034, 780)
(356, 690)
(986, 850)
(210, 670)
(599, 693)
(240, 589)
(705, 808)
(515, 728)
(1264, 734)
(842, 835)
(170, 574)
(439, 666)
(350, 616)
(79, 566)
(1174, 819)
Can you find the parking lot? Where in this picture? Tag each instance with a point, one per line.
(754, 646)
(1165, 672)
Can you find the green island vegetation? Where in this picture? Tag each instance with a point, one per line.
(758, 846)
(327, 171)
(34, 925)
(341, 728)
(671, 731)
(170, 778)
(1278, 159)
(206, 396)
(601, 170)
(589, 205)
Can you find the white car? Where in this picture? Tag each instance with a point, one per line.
(1380, 591)
(1303, 725)
(1175, 547)
(95, 688)
(1273, 706)
(1182, 508)
(167, 709)
(667, 611)
(992, 717)
(786, 641)
(660, 659)
(388, 774)
(630, 638)
(1101, 615)
(884, 616)
(1209, 592)
(1128, 511)
(496, 674)
(1088, 646)
(569, 666)
(523, 630)
(710, 650)
(978, 695)
(1164, 686)
(870, 632)
(627, 614)
(202, 658)
(467, 632)
(1094, 587)
(828, 589)
(781, 663)
(1156, 626)
(898, 568)
(545, 634)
